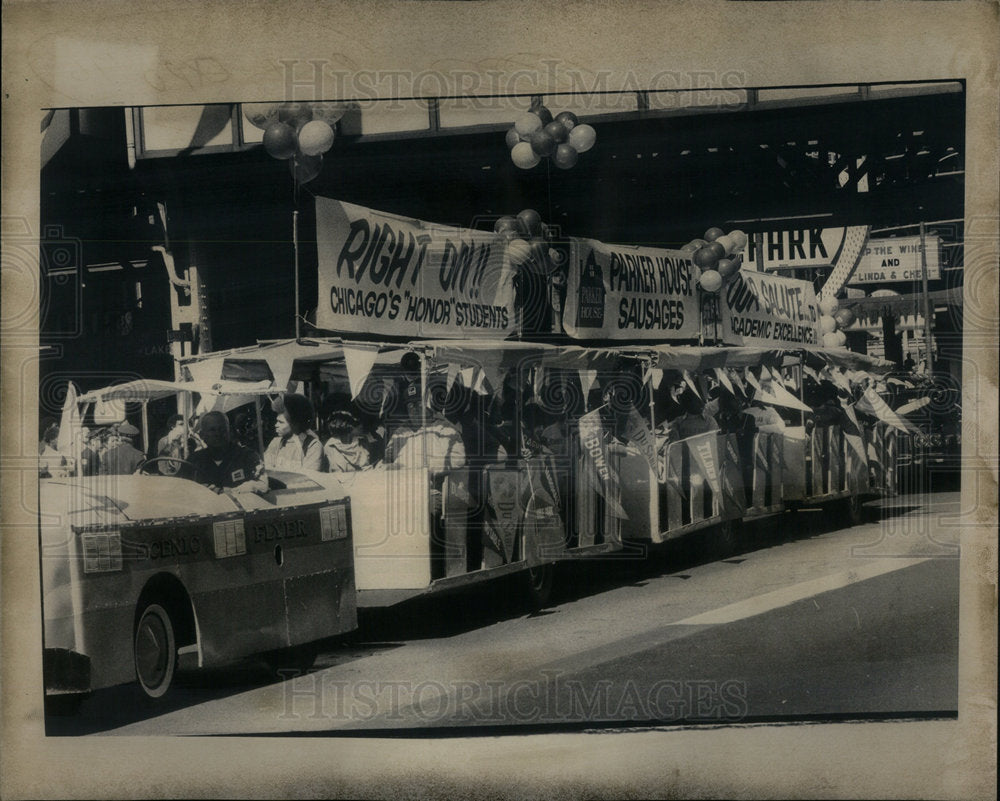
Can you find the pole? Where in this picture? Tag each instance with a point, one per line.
(260, 424)
(928, 345)
(295, 245)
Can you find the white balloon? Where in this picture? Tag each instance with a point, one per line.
(527, 124)
(828, 305)
(727, 242)
(827, 324)
(841, 338)
(316, 137)
(582, 138)
(711, 281)
(523, 156)
(519, 251)
(831, 340)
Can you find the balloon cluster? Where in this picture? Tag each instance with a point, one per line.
(537, 134)
(832, 321)
(719, 256)
(529, 240)
(299, 133)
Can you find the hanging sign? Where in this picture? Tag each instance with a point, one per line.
(625, 292)
(898, 259)
(761, 309)
(404, 277)
(805, 247)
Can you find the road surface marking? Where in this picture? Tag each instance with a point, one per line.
(796, 592)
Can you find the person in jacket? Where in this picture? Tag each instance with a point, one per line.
(296, 446)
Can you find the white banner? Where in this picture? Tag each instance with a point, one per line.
(761, 309)
(897, 259)
(379, 273)
(628, 292)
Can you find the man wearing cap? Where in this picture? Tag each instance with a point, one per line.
(223, 464)
(296, 446)
(437, 444)
(346, 450)
(121, 458)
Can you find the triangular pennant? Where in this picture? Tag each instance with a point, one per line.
(724, 380)
(451, 376)
(206, 372)
(884, 413)
(603, 477)
(735, 375)
(468, 375)
(359, 360)
(787, 399)
(704, 449)
(637, 432)
(751, 378)
(912, 406)
(479, 385)
(539, 379)
(492, 374)
(281, 369)
(689, 380)
(656, 377)
(587, 380)
(809, 371)
(840, 380)
(69, 422)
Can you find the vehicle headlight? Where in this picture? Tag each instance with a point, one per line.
(230, 538)
(102, 552)
(333, 523)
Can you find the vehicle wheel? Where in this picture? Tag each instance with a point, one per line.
(295, 660)
(538, 582)
(852, 513)
(155, 651)
(723, 539)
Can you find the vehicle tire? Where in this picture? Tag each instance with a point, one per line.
(538, 582)
(852, 513)
(723, 539)
(290, 661)
(155, 651)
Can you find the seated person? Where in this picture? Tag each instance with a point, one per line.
(122, 458)
(693, 420)
(296, 446)
(346, 449)
(437, 444)
(223, 464)
(50, 461)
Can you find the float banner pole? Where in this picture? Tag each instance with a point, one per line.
(928, 345)
(295, 246)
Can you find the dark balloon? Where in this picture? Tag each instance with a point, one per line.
(279, 140)
(567, 118)
(530, 222)
(542, 143)
(557, 131)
